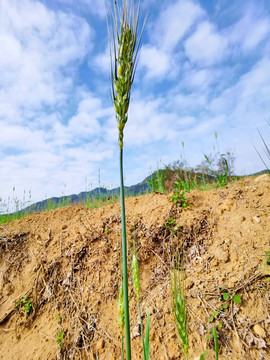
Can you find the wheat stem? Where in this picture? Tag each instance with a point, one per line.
(123, 52)
(124, 259)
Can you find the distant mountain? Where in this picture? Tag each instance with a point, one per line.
(260, 173)
(134, 190)
(53, 202)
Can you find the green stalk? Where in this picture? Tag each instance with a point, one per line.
(215, 342)
(136, 282)
(124, 258)
(124, 46)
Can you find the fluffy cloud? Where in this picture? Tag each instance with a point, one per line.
(39, 47)
(206, 47)
(249, 96)
(174, 21)
(250, 30)
(157, 62)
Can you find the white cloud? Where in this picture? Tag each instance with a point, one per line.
(38, 46)
(257, 34)
(187, 103)
(149, 121)
(252, 28)
(97, 7)
(199, 79)
(208, 126)
(11, 52)
(84, 125)
(101, 62)
(206, 46)
(157, 62)
(20, 138)
(173, 23)
(249, 97)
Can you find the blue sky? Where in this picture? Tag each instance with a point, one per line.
(203, 67)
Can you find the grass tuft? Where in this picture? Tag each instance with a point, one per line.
(179, 303)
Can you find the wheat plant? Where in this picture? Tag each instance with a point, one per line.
(124, 46)
(179, 303)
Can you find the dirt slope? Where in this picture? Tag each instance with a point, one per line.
(66, 263)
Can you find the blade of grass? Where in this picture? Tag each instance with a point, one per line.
(215, 342)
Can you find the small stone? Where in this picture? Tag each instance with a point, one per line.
(136, 331)
(172, 350)
(98, 348)
(221, 255)
(242, 219)
(257, 219)
(189, 283)
(232, 281)
(64, 227)
(259, 331)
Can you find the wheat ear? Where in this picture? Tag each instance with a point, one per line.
(179, 305)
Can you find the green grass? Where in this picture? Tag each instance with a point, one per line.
(25, 304)
(164, 180)
(50, 205)
(92, 202)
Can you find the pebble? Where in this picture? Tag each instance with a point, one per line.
(259, 331)
(257, 219)
(221, 255)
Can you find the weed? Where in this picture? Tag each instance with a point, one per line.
(179, 191)
(226, 296)
(60, 337)
(215, 342)
(212, 334)
(179, 306)
(121, 316)
(203, 356)
(264, 267)
(220, 177)
(136, 282)
(58, 319)
(25, 303)
(170, 223)
(156, 181)
(173, 226)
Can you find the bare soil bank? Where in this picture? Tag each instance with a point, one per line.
(67, 262)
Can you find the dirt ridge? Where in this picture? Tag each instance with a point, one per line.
(66, 263)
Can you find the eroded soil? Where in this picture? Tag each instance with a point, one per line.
(66, 263)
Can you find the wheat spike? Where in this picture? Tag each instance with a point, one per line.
(124, 47)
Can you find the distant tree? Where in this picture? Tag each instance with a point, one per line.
(218, 163)
(178, 165)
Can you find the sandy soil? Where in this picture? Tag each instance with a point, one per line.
(66, 263)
